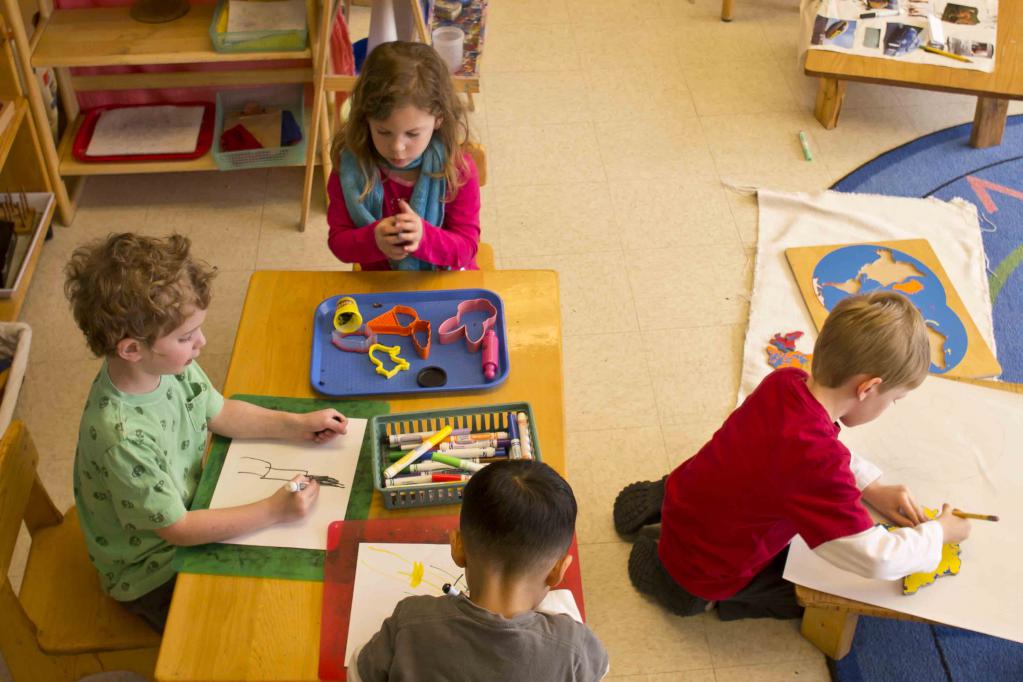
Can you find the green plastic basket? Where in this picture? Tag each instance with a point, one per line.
(290, 97)
(487, 418)
(255, 41)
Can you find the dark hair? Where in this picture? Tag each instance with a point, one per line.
(127, 285)
(517, 515)
(395, 75)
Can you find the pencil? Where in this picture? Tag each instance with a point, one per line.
(945, 53)
(967, 515)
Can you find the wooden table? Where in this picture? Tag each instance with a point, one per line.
(993, 90)
(829, 621)
(233, 628)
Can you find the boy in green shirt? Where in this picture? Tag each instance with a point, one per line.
(141, 303)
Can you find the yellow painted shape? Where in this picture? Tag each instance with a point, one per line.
(417, 574)
(393, 352)
(949, 565)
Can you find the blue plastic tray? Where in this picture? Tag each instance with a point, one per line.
(335, 372)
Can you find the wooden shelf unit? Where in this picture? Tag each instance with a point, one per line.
(22, 166)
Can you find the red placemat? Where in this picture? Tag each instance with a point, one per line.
(343, 538)
(202, 145)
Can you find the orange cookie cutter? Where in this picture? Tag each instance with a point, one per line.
(388, 323)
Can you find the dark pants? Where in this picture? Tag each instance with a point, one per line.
(153, 606)
(768, 595)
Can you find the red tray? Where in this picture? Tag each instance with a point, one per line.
(203, 143)
(343, 538)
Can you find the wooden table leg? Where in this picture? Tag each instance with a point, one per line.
(830, 630)
(726, 10)
(989, 122)
(830, 93)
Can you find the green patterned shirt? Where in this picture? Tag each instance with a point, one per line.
(137, 465)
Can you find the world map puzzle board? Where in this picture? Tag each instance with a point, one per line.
(828, 273)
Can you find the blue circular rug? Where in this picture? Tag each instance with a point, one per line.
(943, 165)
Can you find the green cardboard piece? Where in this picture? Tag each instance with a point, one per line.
(277, 562)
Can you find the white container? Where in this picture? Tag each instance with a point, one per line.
(449, 42)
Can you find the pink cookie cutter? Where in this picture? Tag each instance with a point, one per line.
(358, 341)
(453, 328)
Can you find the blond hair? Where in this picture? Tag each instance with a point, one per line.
(396, 75)
(128, 286)
(880, 334)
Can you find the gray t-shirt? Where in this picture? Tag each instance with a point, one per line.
(451, 638)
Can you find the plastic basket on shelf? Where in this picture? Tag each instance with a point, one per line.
(254, 41)
(484, 418)
(285, 97)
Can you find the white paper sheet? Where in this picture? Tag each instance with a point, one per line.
(265, 15)
(146, 130)
(386, 573)
(824, 20)
(256, 469)
(956, 443)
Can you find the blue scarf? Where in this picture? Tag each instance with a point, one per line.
(427, 195)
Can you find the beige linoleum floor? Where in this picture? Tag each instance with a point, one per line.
(610, 127)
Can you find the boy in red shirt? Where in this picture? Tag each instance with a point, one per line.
(776, 468)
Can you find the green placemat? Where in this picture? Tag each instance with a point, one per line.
(277, 562)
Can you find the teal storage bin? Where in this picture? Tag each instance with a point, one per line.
(290, 97)
(479, 419)
(255, 41)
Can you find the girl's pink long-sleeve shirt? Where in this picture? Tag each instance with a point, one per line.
(451, 245)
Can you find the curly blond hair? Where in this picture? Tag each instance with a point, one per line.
(395, 75)
(129, 286)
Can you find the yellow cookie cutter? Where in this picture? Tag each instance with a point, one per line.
(392, 351)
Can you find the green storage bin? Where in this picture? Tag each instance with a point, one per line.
(485, 418)
(255, 41)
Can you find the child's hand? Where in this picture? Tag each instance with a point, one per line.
(320, 426)
(409, 225)
(895, 502)
(389, 240)
(954, 528)
(291, 506)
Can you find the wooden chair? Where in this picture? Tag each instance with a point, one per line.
(61, 626)
(485, 252)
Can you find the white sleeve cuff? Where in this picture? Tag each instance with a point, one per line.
(886, 555)
(865, 471)
(352, 671)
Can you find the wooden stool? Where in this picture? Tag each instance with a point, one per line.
(62, 626)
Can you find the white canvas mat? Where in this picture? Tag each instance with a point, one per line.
(146, 130)
(255, 469)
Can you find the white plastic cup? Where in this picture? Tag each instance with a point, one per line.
(449, 42)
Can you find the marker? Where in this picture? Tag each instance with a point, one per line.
(527, 443)
(463, 441)
(880, 13)
(968, 515)
(515, 450)
(465, 452)
(805, 144)
(428, 444)
(451, 590)
(424, 479)
(418, 437)
(294, 487)
(455, 462)
(945, 53)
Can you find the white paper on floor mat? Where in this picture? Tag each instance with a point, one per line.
(255, 469)
(803, 219)
(957, 443)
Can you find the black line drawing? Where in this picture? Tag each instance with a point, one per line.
(272, 473)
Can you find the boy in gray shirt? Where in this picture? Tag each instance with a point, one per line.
(516, 525)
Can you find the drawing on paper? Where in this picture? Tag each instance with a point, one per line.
(268, 472)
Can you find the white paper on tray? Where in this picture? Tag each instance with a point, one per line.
(266, 15)
(387, 572)
(166, 129)
(957, 443)
(256, 469)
